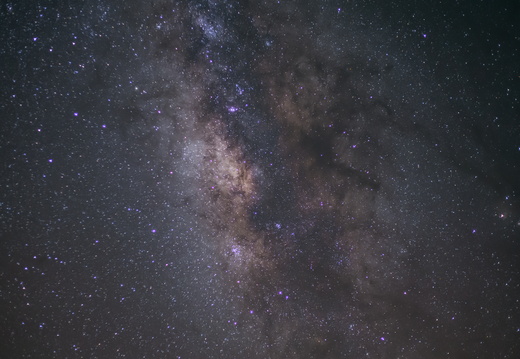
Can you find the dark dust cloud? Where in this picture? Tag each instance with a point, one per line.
(263, 179)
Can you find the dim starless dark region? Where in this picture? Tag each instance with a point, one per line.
(260, 179)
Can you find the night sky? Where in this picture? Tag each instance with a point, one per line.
(262, 179)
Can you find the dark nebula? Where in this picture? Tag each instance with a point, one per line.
(271, 179)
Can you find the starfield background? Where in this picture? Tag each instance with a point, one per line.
(259, 179)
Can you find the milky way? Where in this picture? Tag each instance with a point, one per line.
(214, 179)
